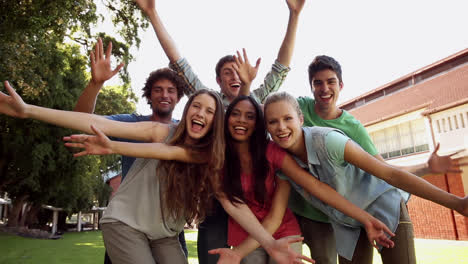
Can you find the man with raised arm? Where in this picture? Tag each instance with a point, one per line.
(212, 233)
(325, 79)
(163, 90)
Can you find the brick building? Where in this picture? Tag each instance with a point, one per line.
(407, 117)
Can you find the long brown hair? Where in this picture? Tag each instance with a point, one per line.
(189, 188)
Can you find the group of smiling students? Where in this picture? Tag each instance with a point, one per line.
(247, 157)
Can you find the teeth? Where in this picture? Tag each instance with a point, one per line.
(235, 85)
(240, 128)
(198, 122)
(283, 135)
(326, 96)
(165, 103)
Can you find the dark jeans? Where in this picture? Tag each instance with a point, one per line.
(182, 244)
(318, 236)
(212, 234)
(402, 253)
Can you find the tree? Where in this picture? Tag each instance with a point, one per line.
(42, 56)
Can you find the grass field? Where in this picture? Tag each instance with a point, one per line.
(87, 247)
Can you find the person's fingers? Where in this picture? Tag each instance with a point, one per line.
(100, 47)
(80, 154)
(246, 59)
(97, 131)
(92, 58)
(11, 91)
(236, 67)
(74, 145)
(302, 257)
(456, 152)
(387, 230)
(463, 164)
(292, 240)
(109, 50)
(239, 57)
(236, 60)
(214, 251)
(436, 148)
(117, 69)
(257, 64)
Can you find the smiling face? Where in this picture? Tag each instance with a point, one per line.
(241, 121)
(163, 97)
(200, 116)
(229, 81)
(284, 125)
(326, 88)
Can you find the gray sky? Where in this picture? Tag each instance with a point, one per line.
(375, 41)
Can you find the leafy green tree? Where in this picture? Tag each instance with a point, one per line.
(43, 53)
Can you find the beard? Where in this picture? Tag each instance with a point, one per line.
(163, 113)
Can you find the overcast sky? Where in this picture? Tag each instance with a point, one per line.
(375, 41)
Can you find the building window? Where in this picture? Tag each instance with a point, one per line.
(450, 123)
(444, 128)
(400, 140)
(438, 126)
(462, 121)
(455, 120)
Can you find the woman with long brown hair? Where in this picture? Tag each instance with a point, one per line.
(151, 206)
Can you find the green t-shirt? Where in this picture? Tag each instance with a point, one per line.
(346, 123)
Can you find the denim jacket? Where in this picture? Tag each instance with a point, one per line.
(272, 82)
(366, 191)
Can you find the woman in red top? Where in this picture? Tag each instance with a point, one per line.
(249, 176)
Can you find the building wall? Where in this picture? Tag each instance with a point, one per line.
(434, 221)
(430, 220)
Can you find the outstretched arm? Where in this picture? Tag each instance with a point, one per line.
(374, 228)
(277, 249)
(403, 179)
(275, 78)
(100, 144)
(435, 164)
(149, 8)
(101, 71)
(14, 106)
(272, 220)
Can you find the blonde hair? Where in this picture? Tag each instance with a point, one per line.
(282, 96)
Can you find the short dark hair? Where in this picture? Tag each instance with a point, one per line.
(163, 74)
(324, 62)
(221, 62)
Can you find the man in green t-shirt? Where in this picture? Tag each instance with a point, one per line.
(326, 82)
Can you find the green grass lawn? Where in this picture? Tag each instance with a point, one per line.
(87, 247)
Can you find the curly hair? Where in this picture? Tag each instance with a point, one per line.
(189, 188)
(163, 74)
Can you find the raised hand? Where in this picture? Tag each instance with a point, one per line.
(377, 233)
(145, 5)
(92, 145)
(101, 70)
(12, 104)
(226, 256)
(443, 164)
(282, 253)
(295, 6)
(246, 71)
